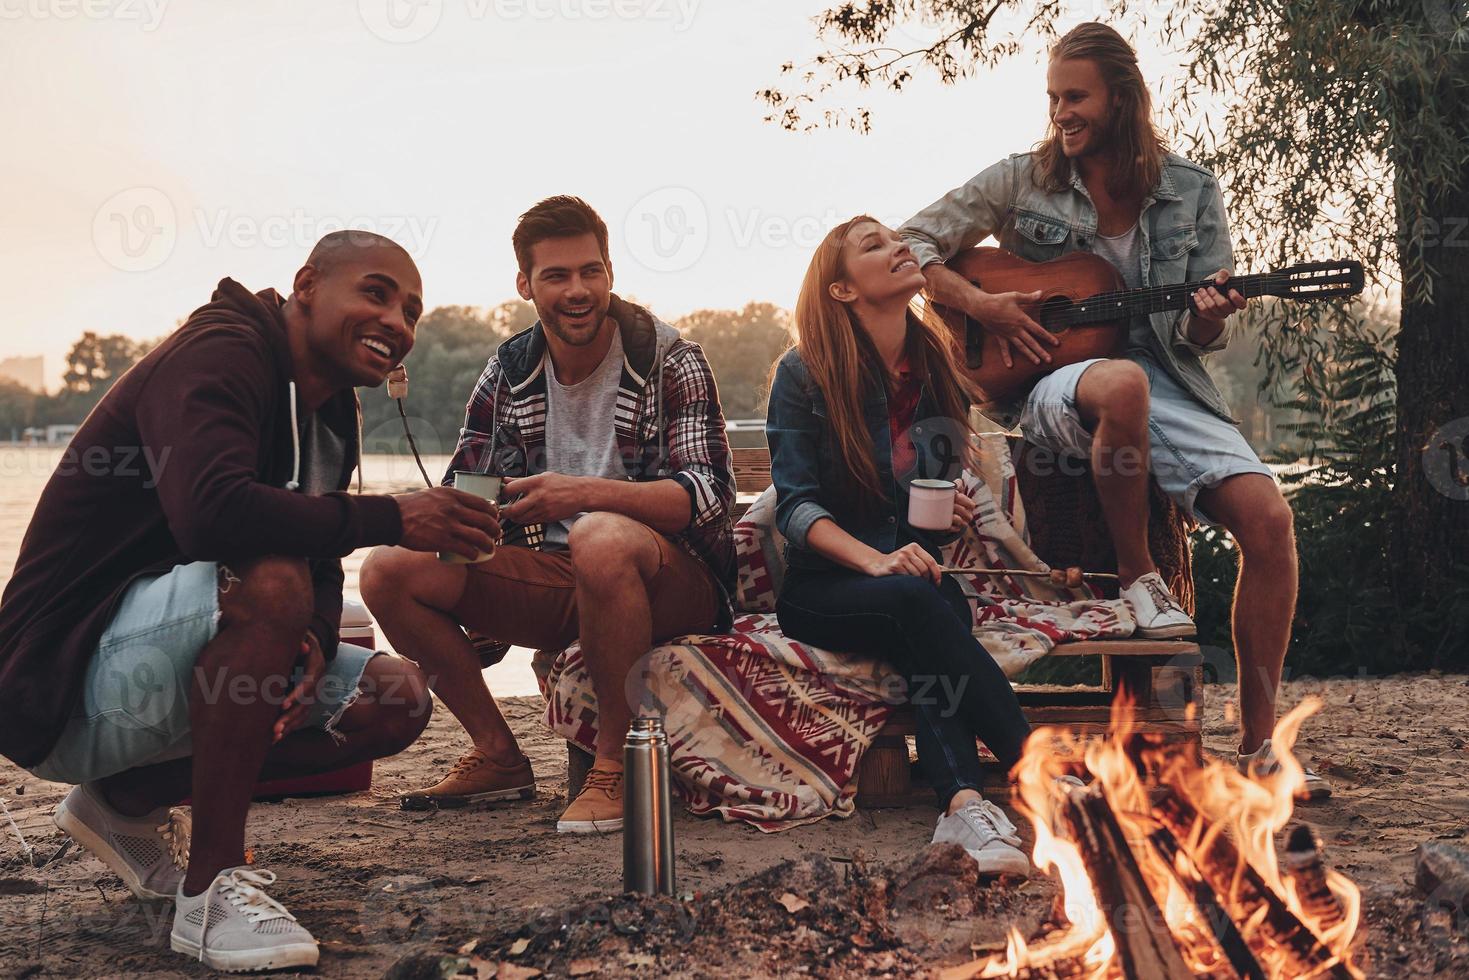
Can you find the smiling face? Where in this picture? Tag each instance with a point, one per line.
(361, 311)
(878, 267)
(570, 283)
(1081, 106)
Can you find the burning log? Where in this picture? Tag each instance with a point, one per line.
(1228, 875)
(1231, 943)
(1307, 871)
(1148, 950)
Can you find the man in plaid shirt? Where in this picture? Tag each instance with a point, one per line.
(607, 426)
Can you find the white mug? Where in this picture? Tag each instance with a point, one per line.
(481, 485)
(931, 504)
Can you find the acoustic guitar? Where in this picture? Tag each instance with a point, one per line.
(1085, 303)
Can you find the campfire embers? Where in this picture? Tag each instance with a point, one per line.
(1169, 868)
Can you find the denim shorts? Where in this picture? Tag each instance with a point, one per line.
(1189, 447)
(134, 705)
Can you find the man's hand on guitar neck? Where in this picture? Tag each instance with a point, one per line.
(1211, 309)
(1000, 314)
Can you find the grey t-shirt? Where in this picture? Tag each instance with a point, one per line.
(580, 439)
(323, 455)
(1125, 253)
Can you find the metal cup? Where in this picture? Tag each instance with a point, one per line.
(931, 504)
(481, 485)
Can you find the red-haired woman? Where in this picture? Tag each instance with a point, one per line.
(869, 398)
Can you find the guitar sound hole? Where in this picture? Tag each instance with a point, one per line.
(1052, 316)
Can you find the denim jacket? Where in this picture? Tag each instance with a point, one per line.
(811, 481)
(1185, 238)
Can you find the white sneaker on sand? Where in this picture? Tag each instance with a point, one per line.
(984, 831)
(1158, 614)
(149, 853)
(1262, 762)
(233, 925)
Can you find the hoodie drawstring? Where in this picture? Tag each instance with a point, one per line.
(295, 482)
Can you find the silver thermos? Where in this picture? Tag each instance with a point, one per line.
(647, 826)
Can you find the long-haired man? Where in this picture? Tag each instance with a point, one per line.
(1103, 181)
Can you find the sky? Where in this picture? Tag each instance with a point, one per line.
(157, 146)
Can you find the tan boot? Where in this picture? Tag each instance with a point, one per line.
(476, 777)
(598, 809)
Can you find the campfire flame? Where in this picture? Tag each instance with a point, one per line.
(1196, 845)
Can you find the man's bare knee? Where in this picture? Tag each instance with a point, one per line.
(272, 591)
(1113, 388)
(607, 548)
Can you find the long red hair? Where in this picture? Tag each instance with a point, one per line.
(844, 363)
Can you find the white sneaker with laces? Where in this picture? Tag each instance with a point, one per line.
(149, 853)
(1158, 614)
(233, 925)
(1262, 762)
(989, 837)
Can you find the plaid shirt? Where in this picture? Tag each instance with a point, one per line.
(668, 425)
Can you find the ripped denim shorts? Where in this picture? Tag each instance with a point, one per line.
(134, 705)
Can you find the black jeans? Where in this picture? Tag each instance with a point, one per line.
(957, 690)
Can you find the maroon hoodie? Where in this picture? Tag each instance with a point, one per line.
(186, 459)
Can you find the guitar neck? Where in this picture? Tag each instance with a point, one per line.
(1126, 303)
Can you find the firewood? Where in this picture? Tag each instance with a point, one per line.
(1230, 876)
(1146, 948)
(1231, 943)
(1307, 871)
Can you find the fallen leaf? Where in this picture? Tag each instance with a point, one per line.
(519, 946)
(483, 969)
(582, 968)
(467, 948)
(639, 959)
(509, 971)
(792, 904)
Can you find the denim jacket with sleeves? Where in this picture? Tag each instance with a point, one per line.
(811, 482)
(1185, 238)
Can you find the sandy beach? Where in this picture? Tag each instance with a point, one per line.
(376, 884)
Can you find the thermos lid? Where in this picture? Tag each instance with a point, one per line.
(646, 728)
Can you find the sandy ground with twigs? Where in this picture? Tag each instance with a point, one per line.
(376, 884)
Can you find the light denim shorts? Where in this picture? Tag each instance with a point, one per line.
(1189, 447)
(134, 705)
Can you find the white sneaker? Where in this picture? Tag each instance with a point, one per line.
(1158, 614)
(989, 837)
(149, 853)
(1262, 762)
(233, 925)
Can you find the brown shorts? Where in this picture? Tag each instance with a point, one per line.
(528, 598)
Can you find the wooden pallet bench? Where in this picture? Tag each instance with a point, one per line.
(1162, 678)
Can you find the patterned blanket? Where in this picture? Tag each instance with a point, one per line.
(769, 731)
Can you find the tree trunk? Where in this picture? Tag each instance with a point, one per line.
(1430, 529)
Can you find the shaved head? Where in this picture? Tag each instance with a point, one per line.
(348, 245)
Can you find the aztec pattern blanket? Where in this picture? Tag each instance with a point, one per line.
(769, 731)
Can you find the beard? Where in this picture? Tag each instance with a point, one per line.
(574, 334)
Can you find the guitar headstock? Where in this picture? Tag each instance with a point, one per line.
(1315, 280)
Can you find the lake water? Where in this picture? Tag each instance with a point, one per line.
(25, 470)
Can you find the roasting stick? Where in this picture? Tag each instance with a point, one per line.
(1071, 577)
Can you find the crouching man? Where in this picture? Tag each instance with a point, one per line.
(171, 627)
(609, 427)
